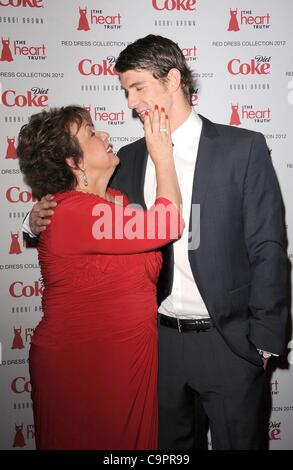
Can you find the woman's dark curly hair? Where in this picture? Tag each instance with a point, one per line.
(43, 146)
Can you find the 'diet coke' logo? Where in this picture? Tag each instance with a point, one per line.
(259, 65)
(14, 195)
(105, 68)
(21, 385)
(19, 289)
(195, 98)
(171, 5)
(22, 3)
(36, 97)
(275, 430)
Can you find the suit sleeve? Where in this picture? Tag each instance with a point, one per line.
(265, 236)
(87, 227)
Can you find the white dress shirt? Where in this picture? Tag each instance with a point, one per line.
(26, 226)
(185, 300)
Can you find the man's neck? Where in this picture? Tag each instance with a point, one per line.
(180, 115)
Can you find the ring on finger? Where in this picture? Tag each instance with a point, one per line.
(163, 129)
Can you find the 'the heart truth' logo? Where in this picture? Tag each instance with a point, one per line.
(88, 19)
(248, 18)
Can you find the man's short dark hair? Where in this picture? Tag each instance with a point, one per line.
(157, 55)
(43, 146)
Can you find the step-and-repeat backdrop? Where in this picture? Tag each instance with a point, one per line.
(58, 52)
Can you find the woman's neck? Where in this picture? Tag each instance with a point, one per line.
(98, 191)
(93, 186)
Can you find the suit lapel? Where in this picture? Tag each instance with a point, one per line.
(207, 151)
(204, 170)
(140, 162)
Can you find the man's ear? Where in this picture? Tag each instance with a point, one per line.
(174, 79)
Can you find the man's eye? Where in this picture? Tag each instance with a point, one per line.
(93, 133)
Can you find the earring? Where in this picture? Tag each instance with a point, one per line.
(84, 177)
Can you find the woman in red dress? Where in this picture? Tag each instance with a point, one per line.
(93, 357)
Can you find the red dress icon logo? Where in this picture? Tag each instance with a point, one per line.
(233, 23)
(18, 438)
(14, 246)
(234, 119)
(11, 151)
(6, 55)
(17, 340)
(83, 24)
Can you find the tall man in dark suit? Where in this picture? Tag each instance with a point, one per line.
(222, 304)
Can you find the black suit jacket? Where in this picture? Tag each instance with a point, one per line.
(240, 266)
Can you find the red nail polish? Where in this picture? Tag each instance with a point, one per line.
(146, 113)
(166, 117)
(156, 106)
(162, 109)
